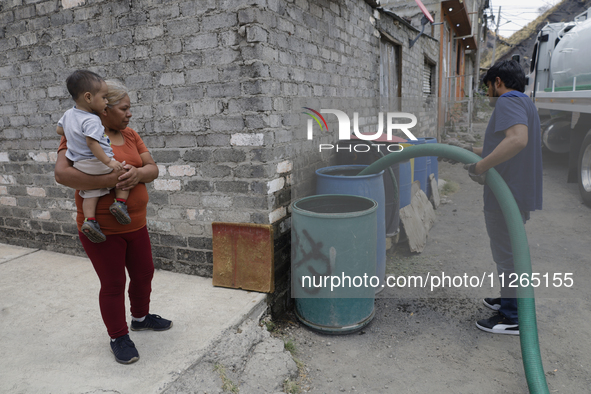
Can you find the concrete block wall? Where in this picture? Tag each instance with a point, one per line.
(409, 11)
(202, 100)
(216, 87)
(413, 99)
(350, 53)
(325, 58)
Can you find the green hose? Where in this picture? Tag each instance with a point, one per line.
(530, 345)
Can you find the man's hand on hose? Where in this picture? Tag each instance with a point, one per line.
(462, 145)
(471, 168)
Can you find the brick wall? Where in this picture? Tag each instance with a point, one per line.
(343, 72)
(216, 87)
(414, 101)
(201, 99)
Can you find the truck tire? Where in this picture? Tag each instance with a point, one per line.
(585, 170)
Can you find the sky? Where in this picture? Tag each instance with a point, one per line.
(516, 14)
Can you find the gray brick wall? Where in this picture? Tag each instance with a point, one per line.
(217, 88)
(341, 71)
(201, 101)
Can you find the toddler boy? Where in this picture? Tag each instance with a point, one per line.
(89, 147)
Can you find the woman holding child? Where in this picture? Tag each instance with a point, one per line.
(127, 246)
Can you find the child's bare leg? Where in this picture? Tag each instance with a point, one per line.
(122, 194)
(89, 207)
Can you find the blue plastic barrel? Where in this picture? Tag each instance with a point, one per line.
(433, 165)
(421, 164)
(405, 183)
(343, 180)
(346, 154)
(333, 236)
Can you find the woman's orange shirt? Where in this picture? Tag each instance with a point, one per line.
(137, 201)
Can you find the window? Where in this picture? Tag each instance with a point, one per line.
(428, 78)
(534, 56)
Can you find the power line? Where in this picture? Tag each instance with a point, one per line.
(521, 13)
(513, 30)
(511, 7)
(516, 8)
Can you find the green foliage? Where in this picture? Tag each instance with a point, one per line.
(270, 326)
(291, 387)
(450, 187)
(227, 384)
(290, 346)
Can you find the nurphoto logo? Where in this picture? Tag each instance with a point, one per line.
(345, 129)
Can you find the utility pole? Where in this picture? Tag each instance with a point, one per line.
(496, 34)
(479, 20)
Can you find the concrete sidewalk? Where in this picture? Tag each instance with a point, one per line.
(53, 340)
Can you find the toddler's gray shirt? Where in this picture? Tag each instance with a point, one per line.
(78, 125)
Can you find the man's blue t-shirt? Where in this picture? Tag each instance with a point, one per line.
(523, 172)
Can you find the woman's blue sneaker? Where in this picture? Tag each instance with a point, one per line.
(124, 350)
(151, 322)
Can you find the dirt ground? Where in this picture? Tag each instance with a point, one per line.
(424, 342)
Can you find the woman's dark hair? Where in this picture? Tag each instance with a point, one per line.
(509, 71)
(82, 81)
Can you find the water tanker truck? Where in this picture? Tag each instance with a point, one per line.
(560, 84)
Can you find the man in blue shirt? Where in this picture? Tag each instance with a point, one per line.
(512, 146)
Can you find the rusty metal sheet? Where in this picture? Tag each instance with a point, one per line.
(243, 256)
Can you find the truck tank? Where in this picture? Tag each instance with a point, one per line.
(572, 58)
